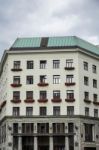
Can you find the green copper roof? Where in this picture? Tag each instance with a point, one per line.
(52, 42)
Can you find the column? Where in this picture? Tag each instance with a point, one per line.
(77, 136)
(35, 137)
(51, 137)
(9, 131)
(20, 138)
(66, 137)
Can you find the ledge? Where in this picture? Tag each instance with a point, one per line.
(16, 85)
(14, 69)
(87, 101)
(95, 103)
(69, 68)
(56, 100)
(70, 100)
(16, 101)
(70, 84)
(42, 84)
(29, 100)
(42, 100)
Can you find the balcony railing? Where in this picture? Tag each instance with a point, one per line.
(87, 101)
(69, 68)
(29, 100)
(44, 100)
(16, 69)
(95, 103)
(56, 100)
(3, 104)
(42, 84)
(70, 84)
(70, 100)
(16, 85)
(16, 101)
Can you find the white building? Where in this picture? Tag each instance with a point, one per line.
(49, 95)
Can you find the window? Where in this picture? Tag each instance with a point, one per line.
(94, 69)
(29, 111)
(95, 97)
(56, 79)
(85, 66)
(16, 95)
(43, 111)
(16, 111)
(56, 64)
(56, 110)
(43, 95)
(86, 95)
(56, 94)
(94, 83)
(70, 94)
(30, 64)
(69, 78)
(16, 79)
(88, 132)
(29, 80)
(43, 79)
(69, 63)
(43, 64)
(86, 81)
(16, 65)
(29, 94)
(70, 110)
(15, 128)
(43, 128)
(27, 127)
(95, 112)
(70, 127)
(86, 111)
(58, 127)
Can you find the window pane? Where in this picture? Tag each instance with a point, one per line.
(43, 64)
(56, 110)
(42, 111)
(29, 80)
(56, 79)
(56, 64)
(69, 63)
(16, 65)
(29, 64)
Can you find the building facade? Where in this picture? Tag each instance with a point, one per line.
(49, 95)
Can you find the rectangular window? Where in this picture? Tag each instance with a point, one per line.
(56, 79)
(70, 110)
(88, 132)
(85, 65)
(27, 128)
(16, 95)
(56, 94)
(16, 79)
(69, 78)
(69, 63)
(15, 127)
(30, 64)
(43, 128)
(96, 113)
(43, 94)
(43, 64)
(56, 110)
(16, 65)
(43, 111)
(29, 111)
(56, 64)
(94, 83)
(86, 95)
(70, 127)
(95, 97)
(86, 111)
(16, 111)
(86, 80)
(70, 94)
(58, 128)
(29, 80)
(43, 79)
(94, 69)
(29, 95)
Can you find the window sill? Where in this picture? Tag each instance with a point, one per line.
(16, 85)
(70, 84)
(56, 100)
(42, 84)
(16, 101)
(95, 103)
(70, 100)
(87, 101)
(69, 68)
(19, 69)
(29, 100)
(42, 100)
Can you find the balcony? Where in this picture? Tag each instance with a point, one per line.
(16, 101)
(70, 84)
(70, 100)
(56, 100)
(16, 69)
(44, 100)
(87, 101)
(3, 104)
(69, 68)
(16, 85)
(29, 100)
(96, 103)
(42, 84)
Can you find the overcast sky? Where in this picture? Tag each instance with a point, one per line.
(28, 18)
